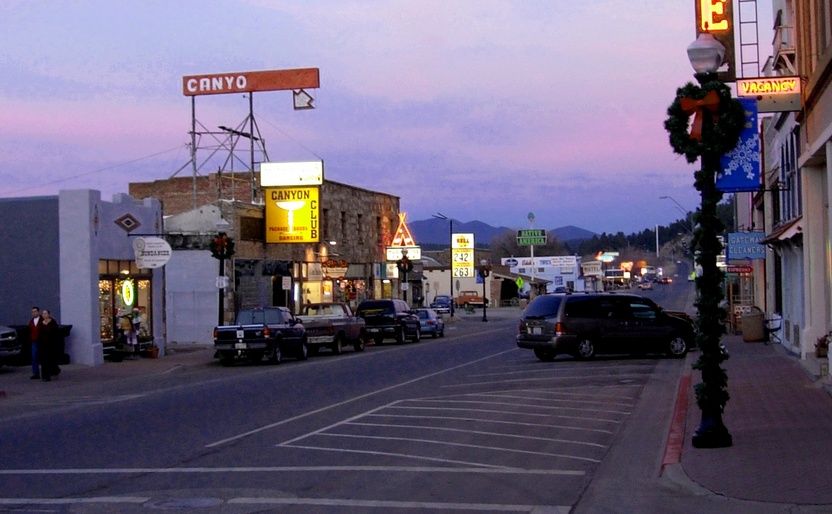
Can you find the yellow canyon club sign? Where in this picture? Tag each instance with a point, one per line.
(292, 215)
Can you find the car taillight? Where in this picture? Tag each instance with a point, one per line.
(266, 332)
(215, 333)
(559, 329)
(521, 327)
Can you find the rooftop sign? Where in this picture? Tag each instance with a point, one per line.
(250, 81)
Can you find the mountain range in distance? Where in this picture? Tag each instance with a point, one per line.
(435, 231)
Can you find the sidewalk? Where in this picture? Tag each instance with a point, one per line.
(780, 419)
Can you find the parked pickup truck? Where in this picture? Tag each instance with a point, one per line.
(266, 331)
(332, 325)
(471, 298)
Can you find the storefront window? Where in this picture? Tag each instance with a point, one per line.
(124, 291)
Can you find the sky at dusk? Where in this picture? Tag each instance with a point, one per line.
(479, 109)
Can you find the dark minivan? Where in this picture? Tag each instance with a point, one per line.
(389, 319)
(586, 324)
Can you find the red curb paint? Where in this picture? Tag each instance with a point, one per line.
(676, 437)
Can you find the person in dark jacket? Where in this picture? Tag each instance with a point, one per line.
(48, 346)
(34, 335)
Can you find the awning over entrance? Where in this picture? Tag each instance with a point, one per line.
(785, 233)
(355, 271)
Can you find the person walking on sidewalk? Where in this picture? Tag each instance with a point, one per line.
(48, 347)
(34, 334)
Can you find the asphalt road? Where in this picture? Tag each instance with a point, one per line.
(464, 423)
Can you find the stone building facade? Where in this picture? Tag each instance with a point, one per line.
(348, 264)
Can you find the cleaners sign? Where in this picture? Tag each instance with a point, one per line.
(746, 245)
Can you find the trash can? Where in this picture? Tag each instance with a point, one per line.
(753, 325)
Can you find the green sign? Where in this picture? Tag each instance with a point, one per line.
(531, 241)
(531, 237)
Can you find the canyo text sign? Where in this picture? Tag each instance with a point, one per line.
(250, 81)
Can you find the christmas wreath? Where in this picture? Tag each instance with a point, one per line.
(712, 99)
(222, 246)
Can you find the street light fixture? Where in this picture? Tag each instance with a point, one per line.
(684, 211)
(441, 216)
(706, 55)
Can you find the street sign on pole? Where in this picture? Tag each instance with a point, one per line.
(531, 237)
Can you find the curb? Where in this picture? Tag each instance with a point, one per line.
(676, 435)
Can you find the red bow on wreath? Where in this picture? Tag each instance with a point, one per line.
(692, 106)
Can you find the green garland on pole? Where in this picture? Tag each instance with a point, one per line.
(724, 132)
(221, 246)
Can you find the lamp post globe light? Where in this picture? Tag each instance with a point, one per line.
(718, 119)
(484, 271)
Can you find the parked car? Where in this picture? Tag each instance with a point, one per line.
(389, 319)
(646, 285)
(584, 325)
(9, 345)
(267, 331)
(442, 303)
(431, 323)
(332, 325)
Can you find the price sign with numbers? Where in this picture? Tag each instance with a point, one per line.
(462, 255)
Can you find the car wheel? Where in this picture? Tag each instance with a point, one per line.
(359, 344)
(400, 335)
(677, 347)
(418, 336)
(276, 355)
(227, 358)
(442, 333)
(545, 354)
(436, 333)
(338, 345)
(303, 351)
(585, 350)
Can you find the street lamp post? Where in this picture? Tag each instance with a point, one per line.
(684, 211)
(718, 119)
(484, 271)
(441, 216)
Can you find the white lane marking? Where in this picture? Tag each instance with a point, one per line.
(518, 423)
(287, 469)
(489, 411)
(385, 504)
(549, 399)
(448, 443)
(539, 407)
(532, 379)
(394, 454)
(478, 432)
(71, 501)
(323, 502)
(323, 409)
(525, 370)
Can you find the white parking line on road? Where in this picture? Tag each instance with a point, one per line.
(382, 504)
(518, 423)
(448, 443)
(546, 379)
(554, 407)
(285, 469)
(519, 413)
(321, 502)
(345, 402)
(478, 432)
(548, 399)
